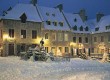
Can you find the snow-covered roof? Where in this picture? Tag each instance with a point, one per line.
(19, 9)
(91, 23)
(53, 15)
(104, 21)
(71, 17)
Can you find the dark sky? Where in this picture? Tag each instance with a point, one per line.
(72, 6)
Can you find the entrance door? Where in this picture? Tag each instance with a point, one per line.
(11, 49)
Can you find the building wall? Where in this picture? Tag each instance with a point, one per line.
(99, 46)
(17, 40)
(50, 43)
(77, 47)
(1, 38)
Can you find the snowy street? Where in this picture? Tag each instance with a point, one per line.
(12, 68)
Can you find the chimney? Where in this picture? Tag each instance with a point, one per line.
(82, 14)
(60, 6)
(34, 2)
(99, 16)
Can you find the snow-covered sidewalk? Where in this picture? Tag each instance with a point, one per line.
(12, 68)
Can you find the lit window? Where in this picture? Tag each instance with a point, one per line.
(46, 36)
(66, 37)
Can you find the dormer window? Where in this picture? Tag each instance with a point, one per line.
(55, 23)
(47, 14)
(75, 28)
(23, 18)
(61, 24)
(81, 28)
(53, 15)
(75, 20)
(107, 27)
(97, 29)
(87, 29)
(48, 22)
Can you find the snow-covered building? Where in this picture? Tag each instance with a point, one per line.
(80, 33)
(21, 28)
(26, 24)
(100, 31)
(56, 31)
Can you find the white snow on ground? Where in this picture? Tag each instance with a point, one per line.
(12, 68)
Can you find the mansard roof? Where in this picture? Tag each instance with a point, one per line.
(29, 10)
(53, 15)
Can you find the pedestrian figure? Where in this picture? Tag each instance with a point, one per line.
(42, 42)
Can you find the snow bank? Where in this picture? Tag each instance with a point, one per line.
(12, 68)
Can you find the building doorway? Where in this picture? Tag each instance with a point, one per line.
(11, 49)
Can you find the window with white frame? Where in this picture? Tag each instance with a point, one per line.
(66, 37)
(60, 36)
(46, 35)
(53, 36)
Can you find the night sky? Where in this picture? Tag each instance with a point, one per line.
(71, 6)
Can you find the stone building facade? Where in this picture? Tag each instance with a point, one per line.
(19, 36)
